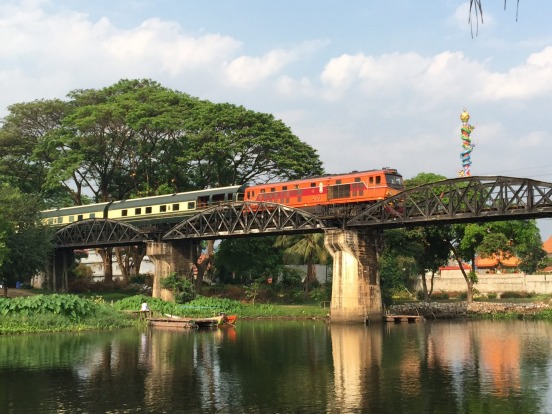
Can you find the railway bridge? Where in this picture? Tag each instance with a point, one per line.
(354, 240)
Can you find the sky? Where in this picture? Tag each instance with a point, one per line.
(367, 84)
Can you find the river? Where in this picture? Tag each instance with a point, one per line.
(284, 367)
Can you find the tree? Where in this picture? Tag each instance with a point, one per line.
(476, 9)
(435, 250)
(306, 249)
(137, 138)
(520, 238)
(26, 128)
(243, 260)
(228, 144)
(25, 243)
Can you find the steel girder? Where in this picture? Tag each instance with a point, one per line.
(466, 199)
(245, 218)
(98, 232)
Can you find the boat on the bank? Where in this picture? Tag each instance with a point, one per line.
(171, 321)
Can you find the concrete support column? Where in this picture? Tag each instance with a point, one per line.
(56, 273)
(170, 257)
(356, 292)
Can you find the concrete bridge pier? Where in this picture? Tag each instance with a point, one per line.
(56, 273)
(176, 256)
(356, 292)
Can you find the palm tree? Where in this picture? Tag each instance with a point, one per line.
(304, 249)
(476, 9)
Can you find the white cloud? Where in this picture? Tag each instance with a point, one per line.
(530, 80)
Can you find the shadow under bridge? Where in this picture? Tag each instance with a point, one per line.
(466, 199)
(240, 219)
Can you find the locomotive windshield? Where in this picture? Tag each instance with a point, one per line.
(394, 181)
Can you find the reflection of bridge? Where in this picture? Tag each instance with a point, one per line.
(353, 241)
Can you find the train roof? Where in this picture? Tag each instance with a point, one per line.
(86, 208)
(174, 198)
(142, 201)
(385, 170)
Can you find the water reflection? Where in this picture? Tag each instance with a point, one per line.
(269, 367)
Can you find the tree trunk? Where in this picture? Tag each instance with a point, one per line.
(424, 287)
(123, 260)
(432, 280)
(137, 254)
(105, 254)
(467, 278)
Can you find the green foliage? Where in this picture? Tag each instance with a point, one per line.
(321, 293)
(25, 244)
(290, 277)
(133, 303)
(439, 296)
(241, 260)
(252, 290)
(182, 287)
(67, 305)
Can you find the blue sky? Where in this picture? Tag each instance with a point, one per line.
(367, 83)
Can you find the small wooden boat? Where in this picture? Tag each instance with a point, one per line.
(177, 322)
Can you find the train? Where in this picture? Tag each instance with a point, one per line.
(354, 188)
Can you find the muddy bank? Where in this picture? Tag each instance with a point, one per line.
(457, 310)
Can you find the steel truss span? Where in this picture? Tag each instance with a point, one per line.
(467, 199)
(97, 233)
(245, 218)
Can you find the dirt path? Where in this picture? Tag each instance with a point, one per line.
(15, 293)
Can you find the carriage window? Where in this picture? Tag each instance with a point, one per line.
(262, 190)
(191, 205)
(371, 180)
(163, 208)
(338, 181)
(296, 186)
(71, 219)
(357, 179)
(176, 207)
(79, 217)
(272, 189)
(124, 213)
(148, 210)
(378, 179)
(137, 211)
(313, 185)
(92, 215)
(60, 220)
(50, 221)
(284, 188)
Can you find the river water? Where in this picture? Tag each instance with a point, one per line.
(284, 367)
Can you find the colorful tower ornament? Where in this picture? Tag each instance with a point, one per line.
(467, 146)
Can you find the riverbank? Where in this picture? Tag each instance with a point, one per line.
(463, 310)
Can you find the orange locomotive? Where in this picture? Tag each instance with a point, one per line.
(357, 187)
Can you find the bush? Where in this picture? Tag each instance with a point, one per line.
(440, 296)
(517, 295)
(182, 287)
(66, 305)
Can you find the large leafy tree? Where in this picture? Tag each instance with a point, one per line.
(434, 250)
(228, 144)
(28, 127)
(138, 138)
(244, 259)
(25, 243)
